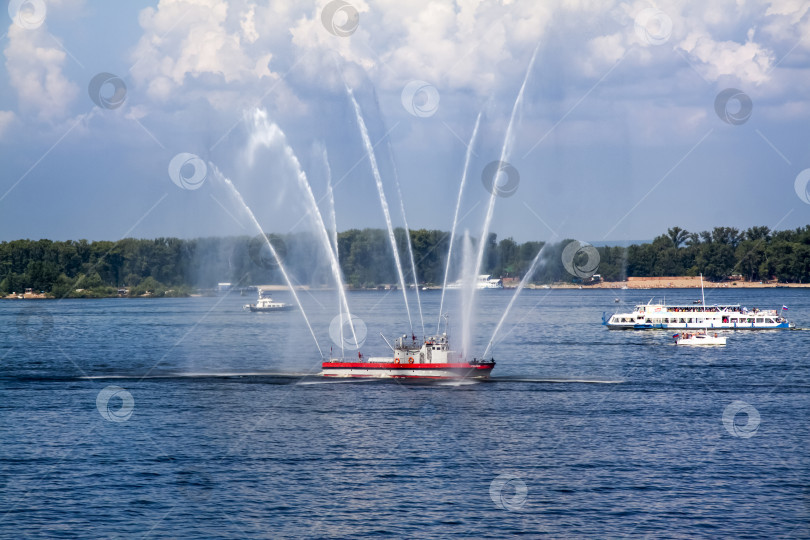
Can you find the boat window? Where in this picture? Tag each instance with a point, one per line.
(759, 320)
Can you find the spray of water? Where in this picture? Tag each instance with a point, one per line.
(529, 273)
(383, 202)
(407, 239)
(505, 153)
(330, 197)
(467, 292)
(455, 215)
(268, 134)
(219, 176)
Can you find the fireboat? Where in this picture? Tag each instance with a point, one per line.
(412, 359)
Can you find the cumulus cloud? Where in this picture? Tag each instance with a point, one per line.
(748, 62)
(467, 45)
(7, 118)
(35, 68)
(186, 40)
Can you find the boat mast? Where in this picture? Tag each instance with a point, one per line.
(702, 295)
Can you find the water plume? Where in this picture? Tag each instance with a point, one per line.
(222, 178)
(526, 277)
(467, 158)
(467, 294)
(408, 240)
(268, 134)
(383, 202)
(505, 153)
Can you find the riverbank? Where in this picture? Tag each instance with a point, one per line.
(631, 284)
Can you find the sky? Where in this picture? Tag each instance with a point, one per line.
(122, 119)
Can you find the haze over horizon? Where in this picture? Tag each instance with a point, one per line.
(634, 119)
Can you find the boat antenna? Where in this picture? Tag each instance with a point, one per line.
(446, 318)
(702, 294)
(387, 343)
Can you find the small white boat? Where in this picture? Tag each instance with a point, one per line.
(484, 281)
(699, 338)
(265, 303)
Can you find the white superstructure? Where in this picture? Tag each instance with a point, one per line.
(484, 281)
(732, 316)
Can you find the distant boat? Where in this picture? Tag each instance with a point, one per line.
(698, 339)
(484, 281)
(265, 303)
(687, 317)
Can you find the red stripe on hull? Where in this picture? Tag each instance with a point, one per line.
(376, 365)
(390, 370)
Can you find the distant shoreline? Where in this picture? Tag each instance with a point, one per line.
(675, 284)
(635, 284)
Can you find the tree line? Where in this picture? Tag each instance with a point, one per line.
(173, 266)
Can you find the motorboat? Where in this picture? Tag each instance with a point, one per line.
(699, 338)
(266, 303)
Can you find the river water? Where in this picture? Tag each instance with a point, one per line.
(167, 418)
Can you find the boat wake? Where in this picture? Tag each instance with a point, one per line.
(310, 379)
(555, 380)
(307, 379)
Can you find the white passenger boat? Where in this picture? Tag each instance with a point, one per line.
(731, 316)
(699, 339)
(484, 281)
(412, 359)
(265, 303)
(697, 316)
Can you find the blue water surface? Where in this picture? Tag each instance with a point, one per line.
(166, 418)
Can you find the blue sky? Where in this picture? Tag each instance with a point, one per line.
(618, 136)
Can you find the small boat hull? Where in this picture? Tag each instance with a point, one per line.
(255, 309)
(699, 340)
(381, 370)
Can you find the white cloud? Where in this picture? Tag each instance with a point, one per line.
(7, 118)
(193, 39)
(34, 66)
(748, 62)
